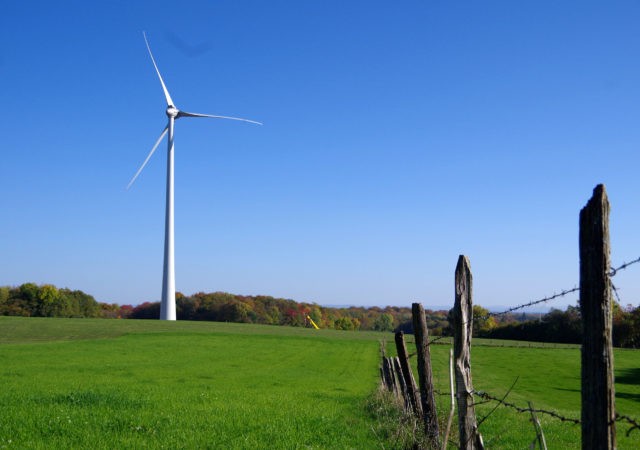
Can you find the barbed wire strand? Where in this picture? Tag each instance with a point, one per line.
(615, 292)
(535, 302)
(562, 293)
(554, 414)
(501, 401)
(436, 339)
(615, 271)
(635, 424)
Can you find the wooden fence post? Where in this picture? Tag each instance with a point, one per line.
(598, 391)
(402, 386)
(425, 376)
(470, 437)
(409, 381)
(386, 374)
(390, 379)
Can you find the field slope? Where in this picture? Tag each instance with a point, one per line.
(96, 383)
(147, 384)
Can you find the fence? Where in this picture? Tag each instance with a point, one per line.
(598, 413)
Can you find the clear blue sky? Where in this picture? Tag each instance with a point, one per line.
(396, 136)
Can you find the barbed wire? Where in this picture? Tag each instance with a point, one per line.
(504, 397)
(535, 302)
(615, 271)
(436, 339)
(484, 395)
(439, 392)
(615, 292)
(635, 424)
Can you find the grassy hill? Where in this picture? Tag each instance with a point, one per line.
(80, 383)
(85, 383)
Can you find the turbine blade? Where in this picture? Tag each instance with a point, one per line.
(188, 114)
(155, 146)
(164, 87)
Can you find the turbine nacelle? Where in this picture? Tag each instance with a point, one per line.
(172, 112)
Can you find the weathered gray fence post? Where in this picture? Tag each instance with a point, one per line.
(409, 381)
(389, 377)
(425, 376)
(402, 386)
(598, 392)
(470, 437)
(386, 374)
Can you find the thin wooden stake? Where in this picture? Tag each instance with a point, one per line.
(453, 402)
(542, 443)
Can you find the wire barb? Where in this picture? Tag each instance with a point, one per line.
(615, 270)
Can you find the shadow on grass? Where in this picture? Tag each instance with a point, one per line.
(628, 396)
(625, 395)
(628, 376)
(567, 390)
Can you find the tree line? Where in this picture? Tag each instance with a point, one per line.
(558, 326)
(31, 300)
(566, 327)
(267, 310)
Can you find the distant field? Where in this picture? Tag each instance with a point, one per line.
(84, 383)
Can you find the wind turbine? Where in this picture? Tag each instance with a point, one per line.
(168, 302)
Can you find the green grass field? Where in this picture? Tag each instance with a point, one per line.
(150, 384)
(84, 383)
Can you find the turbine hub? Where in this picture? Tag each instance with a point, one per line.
(172, 111)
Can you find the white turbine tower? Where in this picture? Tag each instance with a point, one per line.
(168, 303)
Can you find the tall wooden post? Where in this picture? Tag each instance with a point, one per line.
(410, 382)
(470, 437)
(425, 376)
(598, 392)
